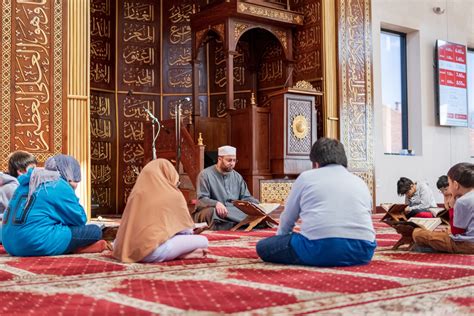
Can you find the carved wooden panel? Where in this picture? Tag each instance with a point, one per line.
(138, 47)
(33, 89)
(271, 70)
(308, 44)
(218, 80)
(355, 67)
(102, 69)
(103, 152)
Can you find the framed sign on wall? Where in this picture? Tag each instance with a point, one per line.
(451, 83)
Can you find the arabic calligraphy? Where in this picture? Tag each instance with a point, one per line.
(138, 55)
(133, 131)
(32, 122)
(138, 76)
(181, 13)
(180, 77)
(133, 107)
(101, 128)
(138, 33)
(100, 105)
(100, 72)
(133, 153)
(138, 11)
(101, 174)
(101, 150)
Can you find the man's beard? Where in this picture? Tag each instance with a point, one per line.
(227, 169)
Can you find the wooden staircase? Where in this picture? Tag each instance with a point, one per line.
(192, 156)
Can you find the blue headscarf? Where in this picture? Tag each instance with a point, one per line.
(59, 166)
(68, 167)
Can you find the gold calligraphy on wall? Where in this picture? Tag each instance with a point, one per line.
(133, 131)
(100, 6)
(100, 26)
(133, 107)
(102, 196)
(101, 128)
(180, 77)
(138, 33)
(100, 72)
(32, 118)
(101, 174)
(137, 55)
(133, 153)
(138, 11)
(100, 105)
(101, 150)
(269, 13)
(181, 13)
(100, 49)
(179, 56)
(135, 76)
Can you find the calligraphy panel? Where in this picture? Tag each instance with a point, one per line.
(133, 121)
(271, 70)
(356, 106)
(307, 43)
(138, 47)
(103, 152)
(177, 47)
(102, 49)
(33, 64)
(170, 103)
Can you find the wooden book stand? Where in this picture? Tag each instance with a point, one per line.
(394, 212)
(255, 215)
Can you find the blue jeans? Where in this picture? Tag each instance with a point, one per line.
(82, 236)
(326, 252)
(278, 249)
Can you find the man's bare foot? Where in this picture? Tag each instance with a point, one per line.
(196, 254)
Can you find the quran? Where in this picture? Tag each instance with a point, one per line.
(256, 214)
(405, 228)
(394, 212)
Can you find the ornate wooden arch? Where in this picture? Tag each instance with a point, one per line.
(280, 34)
(231, 19)
(200, 35)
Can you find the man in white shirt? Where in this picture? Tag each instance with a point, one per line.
(335, 210)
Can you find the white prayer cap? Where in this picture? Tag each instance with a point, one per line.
(227, 151)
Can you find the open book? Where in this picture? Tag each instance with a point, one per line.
(394, 212)
(104, 222)
(256, 213)
(405, 228)
(436, 210)
(426, 223)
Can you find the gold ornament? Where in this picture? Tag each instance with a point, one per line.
(200, 143)
(300, 126)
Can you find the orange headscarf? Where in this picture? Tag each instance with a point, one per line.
(156, 210)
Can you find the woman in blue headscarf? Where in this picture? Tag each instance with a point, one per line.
(44, 217)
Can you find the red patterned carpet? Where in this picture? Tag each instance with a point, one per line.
(234, 280)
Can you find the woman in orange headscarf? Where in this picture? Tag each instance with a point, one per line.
(156, 225)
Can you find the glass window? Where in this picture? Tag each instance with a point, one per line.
(470, 96)
(394, 92)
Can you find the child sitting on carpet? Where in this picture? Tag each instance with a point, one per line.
(156, 225)
(18, 163)
(443, 186)
(335, 210)
(418, 196)
(461, 186)
(44, 217)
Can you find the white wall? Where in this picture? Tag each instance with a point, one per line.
(437, 148)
